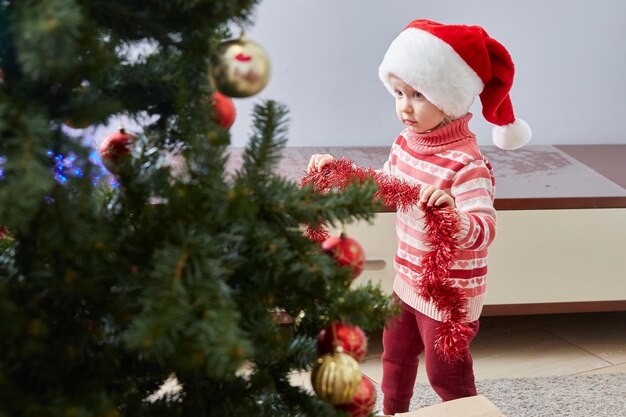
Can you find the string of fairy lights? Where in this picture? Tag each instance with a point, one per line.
(68, 165)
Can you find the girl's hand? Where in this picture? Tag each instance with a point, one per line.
(317, 162)
(431, 196)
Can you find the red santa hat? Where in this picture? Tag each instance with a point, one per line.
(451, 65)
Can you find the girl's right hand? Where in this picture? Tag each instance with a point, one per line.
(318, 161)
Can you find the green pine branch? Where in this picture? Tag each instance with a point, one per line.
(269, 137)
(105, 293)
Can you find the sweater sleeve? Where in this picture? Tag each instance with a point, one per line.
(386, 169)
(473, 192)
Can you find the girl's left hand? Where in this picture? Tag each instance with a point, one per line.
(431, 196)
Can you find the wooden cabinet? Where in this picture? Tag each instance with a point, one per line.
(379, 243)
(576, 257)
(540, 261)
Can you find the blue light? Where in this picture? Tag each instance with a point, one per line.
(68, 166)
(65, 168)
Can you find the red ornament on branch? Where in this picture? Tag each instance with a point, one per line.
(363, 400)
(350, 338)
(347, 252)
(115, 150)
(441, 224)
(224, 111)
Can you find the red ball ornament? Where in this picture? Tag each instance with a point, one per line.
(363, 400)
(350, 338)
(347, 252)
(4, 232)
(115, 150)
(224, 111)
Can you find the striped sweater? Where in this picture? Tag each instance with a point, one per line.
(449, 159)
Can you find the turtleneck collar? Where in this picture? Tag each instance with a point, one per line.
(441, 138)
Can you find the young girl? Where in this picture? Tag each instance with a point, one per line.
(435, 71)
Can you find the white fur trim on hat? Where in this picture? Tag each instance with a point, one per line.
(511, 136)
(432, 67)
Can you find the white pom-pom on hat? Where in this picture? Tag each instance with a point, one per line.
(511, 136)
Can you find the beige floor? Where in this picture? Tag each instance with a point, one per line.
(533, 346)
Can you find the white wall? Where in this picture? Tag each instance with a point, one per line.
(570, 57)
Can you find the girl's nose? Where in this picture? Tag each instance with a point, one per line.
(406, 107)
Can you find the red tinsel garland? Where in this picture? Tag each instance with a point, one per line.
(317, 234)
(441, 224)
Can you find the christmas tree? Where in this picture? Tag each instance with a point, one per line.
(107, 291)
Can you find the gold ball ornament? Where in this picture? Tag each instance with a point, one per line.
(240, 68)
(336, 377)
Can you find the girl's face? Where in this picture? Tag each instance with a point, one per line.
(413, 109)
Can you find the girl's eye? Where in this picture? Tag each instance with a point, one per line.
(398, 92)
(417, 94)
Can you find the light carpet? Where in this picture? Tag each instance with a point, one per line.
(563, 396)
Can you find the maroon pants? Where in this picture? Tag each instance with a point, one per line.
(404, 338)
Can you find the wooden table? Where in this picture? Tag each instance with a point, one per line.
(534, 177)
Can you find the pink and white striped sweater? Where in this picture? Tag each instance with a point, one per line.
(449, 159)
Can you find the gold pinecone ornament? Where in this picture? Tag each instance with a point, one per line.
(336, 377)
